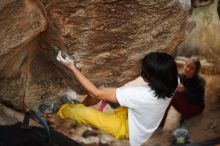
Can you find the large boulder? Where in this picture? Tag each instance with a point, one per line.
(107, 38)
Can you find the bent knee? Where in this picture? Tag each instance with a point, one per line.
(69, 110)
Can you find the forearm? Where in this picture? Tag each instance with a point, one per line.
(88, 85)
(108, 94)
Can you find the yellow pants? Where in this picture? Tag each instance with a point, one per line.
(115, 124)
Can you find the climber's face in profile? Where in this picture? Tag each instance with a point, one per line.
(190, 68)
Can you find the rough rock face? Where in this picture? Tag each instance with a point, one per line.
(107, 39)
(21, 23)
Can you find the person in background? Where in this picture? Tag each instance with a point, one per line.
(189, 96)
(141, 107)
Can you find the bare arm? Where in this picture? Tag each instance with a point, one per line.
(108, 94)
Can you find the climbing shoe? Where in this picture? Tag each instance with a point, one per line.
(48, 108)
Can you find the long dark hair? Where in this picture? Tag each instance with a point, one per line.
(160, 70)
(197, 63)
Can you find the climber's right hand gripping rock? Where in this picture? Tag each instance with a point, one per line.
(65, 60)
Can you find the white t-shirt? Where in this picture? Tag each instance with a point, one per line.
(145, 111)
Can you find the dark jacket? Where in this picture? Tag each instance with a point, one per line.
(194, 89)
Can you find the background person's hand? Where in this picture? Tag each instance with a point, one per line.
(65, 60)
(180, 88)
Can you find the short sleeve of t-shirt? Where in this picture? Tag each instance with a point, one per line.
(132, 96)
